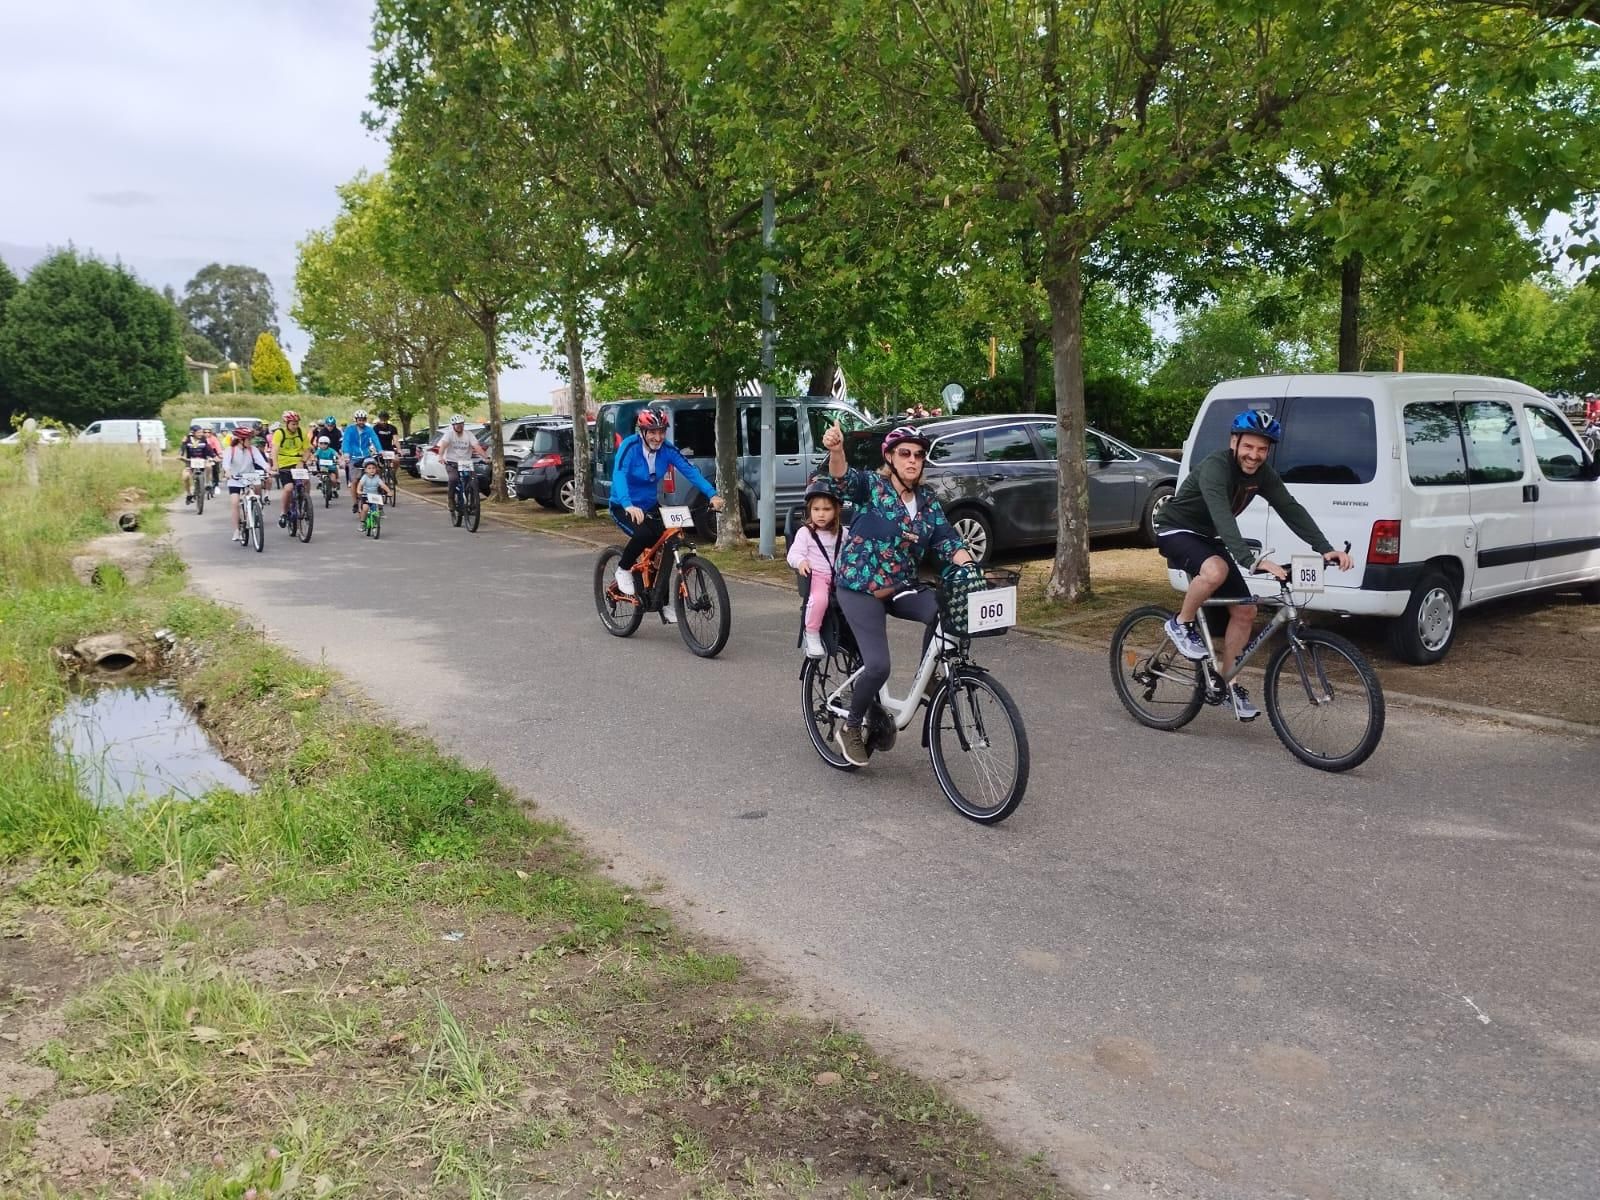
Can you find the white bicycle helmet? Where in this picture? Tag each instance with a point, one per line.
(323, 441)
(457, 419)
(359, 415)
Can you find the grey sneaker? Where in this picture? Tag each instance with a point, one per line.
(1186, 638)
(1242, 708)
(852, 745)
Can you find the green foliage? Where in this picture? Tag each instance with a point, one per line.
(270, 371)
(1546, 335)
(230, 306)
(8, 288)
(83, 340)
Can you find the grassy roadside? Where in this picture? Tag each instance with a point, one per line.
(376, 975)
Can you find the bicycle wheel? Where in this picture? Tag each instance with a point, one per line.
(258, 533)
(1159, 686)
(474, 505)
(819, 679)
(327, 491)
(620, 617)
(199, 495)
(377, 523)
(700, 600)
(302, 501)
(978, 747)
(1325, 702)
(454, 503)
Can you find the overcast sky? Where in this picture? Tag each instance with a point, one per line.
(174, 133)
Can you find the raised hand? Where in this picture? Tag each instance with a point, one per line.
(833, 437)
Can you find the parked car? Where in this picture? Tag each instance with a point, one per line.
(546, 474)
(124, 432)
(431, 468)
(409, 449)
(1450, 489)
(222, 425)
(47, 437)
(995, 476)
(801, 422)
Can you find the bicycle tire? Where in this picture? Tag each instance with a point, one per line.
(1143, 660)
(453, 502)
(1287, 692)
(307, 512)
(377, 524)
(701, 599)
(619, 617)
(474, 505)
(973, 732)
(817, 679)
(327, 492)
(199, 497)
(258, 533)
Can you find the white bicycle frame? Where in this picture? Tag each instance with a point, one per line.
(904, 710)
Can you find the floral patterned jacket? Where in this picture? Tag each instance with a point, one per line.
(884, 543)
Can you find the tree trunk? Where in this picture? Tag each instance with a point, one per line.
(580, 411)
(1350, 313)
(730, 529)
(822, 373)
(489, 322)
(1032, 336)
(1069, 579)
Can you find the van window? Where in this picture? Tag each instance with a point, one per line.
(788, 428)
(1554, 448)
(1214, 426)
(95, 428)
(820, 416)
(1008, 443)
(1494, 444)
(694, 431)
(1328, 439)
(954, 448)
(1434, 457)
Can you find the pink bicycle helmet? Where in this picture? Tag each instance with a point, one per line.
(904, 433)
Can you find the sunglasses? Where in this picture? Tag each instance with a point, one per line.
(912, 453)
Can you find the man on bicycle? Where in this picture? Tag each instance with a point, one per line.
(1197, 533)
(291, 447)
(195, 446)
(642, 459)
(384, 431)
(360, 444)
(457, 448)
(897, 521)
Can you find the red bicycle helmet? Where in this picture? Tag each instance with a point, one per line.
(904, 433)
(651, 418)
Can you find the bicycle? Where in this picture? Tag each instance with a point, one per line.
(1321, 695)
(698, 595)
(301, 510)
(252, 530)
(197, 480)
(972, 729)
(391, 475)
(1590, 437)
(463, 499)
(328, 482)
(372, 523)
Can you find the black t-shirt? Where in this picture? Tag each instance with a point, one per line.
(196, 448)
(385, 433)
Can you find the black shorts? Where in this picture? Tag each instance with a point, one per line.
(1185, 551)
(285, 476)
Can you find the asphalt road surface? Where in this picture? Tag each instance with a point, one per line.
(1187, 965)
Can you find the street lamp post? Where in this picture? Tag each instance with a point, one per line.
(233, 375)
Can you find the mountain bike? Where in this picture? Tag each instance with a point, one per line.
(1321, 695)
(251, 528)
(667, 572)
(372, 523)
(198, 468)
(301, 513)
(463, 499)
(972, 728)
(391, 475)
(328, 482)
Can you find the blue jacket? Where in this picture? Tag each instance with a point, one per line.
(632, 482)
(356, 446)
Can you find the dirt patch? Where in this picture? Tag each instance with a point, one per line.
(65, 1144)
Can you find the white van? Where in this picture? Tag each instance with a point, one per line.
(1450, 489)
(125, 432)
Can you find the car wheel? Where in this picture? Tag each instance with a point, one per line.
(1423, 633)
(546, 502)
(1158, 499)
(976, 531)
(567, 494)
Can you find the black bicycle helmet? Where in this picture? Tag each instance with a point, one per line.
(822, 485)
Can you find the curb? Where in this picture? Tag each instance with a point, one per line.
(1479, 712)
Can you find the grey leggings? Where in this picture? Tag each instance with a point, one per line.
(869, 621)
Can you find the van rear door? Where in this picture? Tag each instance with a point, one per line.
(1501, 493)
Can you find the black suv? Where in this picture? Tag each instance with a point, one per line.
(546, 471)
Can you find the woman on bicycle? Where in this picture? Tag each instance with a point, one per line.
(897, 522)
(241, 458)
(642, 459)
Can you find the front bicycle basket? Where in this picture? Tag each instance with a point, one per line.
(978, 603)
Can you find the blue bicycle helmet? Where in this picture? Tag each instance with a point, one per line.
(1259, 422)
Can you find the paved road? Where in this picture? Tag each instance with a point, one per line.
(1187, 966)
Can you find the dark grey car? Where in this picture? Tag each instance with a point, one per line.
(996, 478)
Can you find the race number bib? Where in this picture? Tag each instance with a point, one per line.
(299, 473)
(993, 608)
(375, 501)
(197, 463)
(676, 516)
(1305, 572)
(391, 454)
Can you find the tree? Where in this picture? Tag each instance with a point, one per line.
(83, 340)
(270, 371)
(8, 288)
(231, 306)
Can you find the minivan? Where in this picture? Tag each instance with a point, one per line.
(1450, 489)
(692, 427)
(125, 432)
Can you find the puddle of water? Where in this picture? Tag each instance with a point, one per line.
(132, 742)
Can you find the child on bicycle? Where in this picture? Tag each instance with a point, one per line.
(812, 553)
(328, 461)
(368, 484)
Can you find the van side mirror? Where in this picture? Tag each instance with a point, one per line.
(1591, 469)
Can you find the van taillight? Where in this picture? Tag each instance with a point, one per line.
(1385, 544)
(616, 440)
(672, 481)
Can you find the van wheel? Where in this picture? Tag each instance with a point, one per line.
(976, 531)
(1590, 592)
(1423, 633)
(1147, 526)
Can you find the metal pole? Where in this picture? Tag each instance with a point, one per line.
(767, 503)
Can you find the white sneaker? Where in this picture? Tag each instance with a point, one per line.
(1186, 638)
(814, 646)
(624, 582)
(236, 536)
(670, 615)
(1242, 708)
